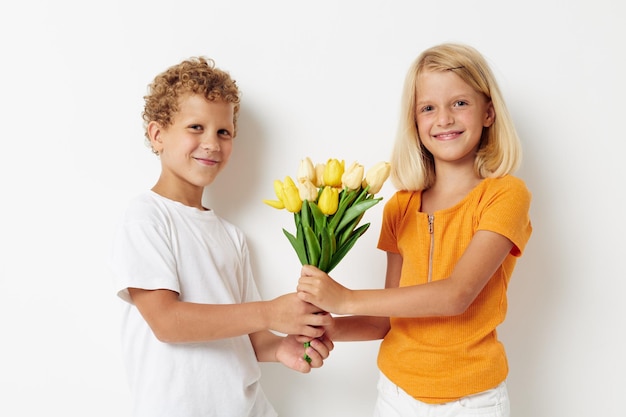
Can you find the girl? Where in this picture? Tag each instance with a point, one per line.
(452, 233)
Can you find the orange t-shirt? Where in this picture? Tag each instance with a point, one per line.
(440, 359)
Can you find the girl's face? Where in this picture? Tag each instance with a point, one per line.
(450, 117)
(196, 146)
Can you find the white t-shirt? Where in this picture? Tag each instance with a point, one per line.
(163, 244)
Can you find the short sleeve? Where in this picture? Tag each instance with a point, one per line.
(506, 212)
(393, 213)
(142, 257)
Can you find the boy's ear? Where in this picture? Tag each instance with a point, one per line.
(154, 134)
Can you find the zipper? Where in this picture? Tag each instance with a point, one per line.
(431, 230)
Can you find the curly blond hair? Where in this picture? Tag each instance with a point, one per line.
(196, 75)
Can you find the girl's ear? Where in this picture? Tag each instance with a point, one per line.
(490, 116)
(154, 134)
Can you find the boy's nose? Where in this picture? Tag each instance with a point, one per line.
(210, 143)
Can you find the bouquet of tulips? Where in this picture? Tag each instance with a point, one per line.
(328, 202)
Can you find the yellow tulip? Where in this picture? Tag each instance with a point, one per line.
(353, 176)
(291, 196)
(278, 190)
(308, 190)
(333, 172)
(376, 176)
(329, 200)
(306, 170)
(277, 204)
(319, 175)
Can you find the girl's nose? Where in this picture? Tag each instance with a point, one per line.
(444, 118)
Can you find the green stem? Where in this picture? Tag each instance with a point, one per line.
(307, 357)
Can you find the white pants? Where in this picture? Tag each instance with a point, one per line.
(392, 401)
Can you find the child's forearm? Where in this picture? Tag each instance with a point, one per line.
(265, 345)
(435, 299)
(189, 322)
(358, 328)
(201, 322)
(175, 321)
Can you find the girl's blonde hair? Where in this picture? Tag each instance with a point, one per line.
(499, 152)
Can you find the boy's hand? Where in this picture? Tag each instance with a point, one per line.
(291, 352)
(290, 315)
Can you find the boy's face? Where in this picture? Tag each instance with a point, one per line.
(196, 146)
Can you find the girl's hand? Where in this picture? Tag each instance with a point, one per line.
(291, 352)
(316, 287)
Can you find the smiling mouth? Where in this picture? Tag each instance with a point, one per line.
(448, 135)
(207, 161)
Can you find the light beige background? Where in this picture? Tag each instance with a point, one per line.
(319, 79)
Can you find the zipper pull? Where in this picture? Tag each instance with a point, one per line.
(431, 220)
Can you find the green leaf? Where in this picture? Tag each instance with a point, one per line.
(319, 218)
(363, 195)
(345, 248)
(296, 218)
(356, 210)
(298, 245)
(349, 229)
(312, 245)
(305, 217)
(327, 249)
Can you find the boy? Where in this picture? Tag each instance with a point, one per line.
(194, 326)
